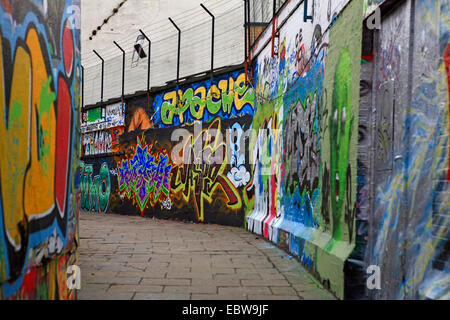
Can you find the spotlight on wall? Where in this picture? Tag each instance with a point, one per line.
(138, 47)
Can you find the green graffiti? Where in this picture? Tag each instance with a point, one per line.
(94, 114)
(168, 111)
(14, 120)
(47, 97)
(340, 124)
(212, 105)
(196, 106)
(228, 98)
(16, 111)
(95, 191)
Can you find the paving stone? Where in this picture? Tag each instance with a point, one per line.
(244, 276)
(161, 296)
(216, 282)
(283, 291)
(264, 282)
(218, 271)
(135, 288)
(256, 270)
(190, 289)
(114, 280)
(188, 275)
(244, 290)
(166, 282)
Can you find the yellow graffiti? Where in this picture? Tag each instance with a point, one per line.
(219, 98)
(28, 128)
(203, 171)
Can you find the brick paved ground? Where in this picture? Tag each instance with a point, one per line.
(129, 257)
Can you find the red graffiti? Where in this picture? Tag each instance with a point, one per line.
(447, 68)
(202, 172)
(63, 128)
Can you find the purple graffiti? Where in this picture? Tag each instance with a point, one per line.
(146, 176)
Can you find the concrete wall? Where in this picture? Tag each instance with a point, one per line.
(39, 94)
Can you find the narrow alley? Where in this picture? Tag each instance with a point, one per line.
(130, 257)
(225, 150)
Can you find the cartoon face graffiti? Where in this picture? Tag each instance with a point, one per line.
(340, 123)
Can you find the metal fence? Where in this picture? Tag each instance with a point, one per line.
(195, 51)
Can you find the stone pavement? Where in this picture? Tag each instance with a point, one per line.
(130, 257)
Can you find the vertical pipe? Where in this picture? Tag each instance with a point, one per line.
(179, 48)
(248, 36)
(307, 17)
(245, 28)
(148, 66)
(245, 37)
(149, 55)
(212, 39)
(123, 70)
(82, 87)
(103, 74)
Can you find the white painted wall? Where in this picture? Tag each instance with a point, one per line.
(151, 16)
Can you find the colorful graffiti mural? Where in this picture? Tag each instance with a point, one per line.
(39, 93)
(412, 210)
(101, 142)
(101, 118)
(371, 5)
(101, 128)
(337, 151)
(202, 171)
(95, 189)
(145, 177)
(226, 96)
(238, 175)
(305, 124)
(140, 114)
(337, 180)
(183, 173)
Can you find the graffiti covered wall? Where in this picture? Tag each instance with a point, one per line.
(187, 163)
(305, 150)
(194, 178)
(352, 155)
(409, 237)
(226, 96)
(337, 151)
(39, 94)
(101, 128)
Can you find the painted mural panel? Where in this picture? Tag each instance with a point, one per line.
(96, 185)
(188, 173)
(39, 94)
(103, 118)
(225, 96)
(101, 128)
(101, 142)
(411, 225)
(140, 114)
